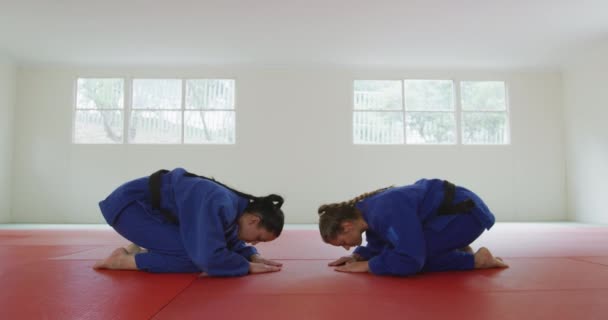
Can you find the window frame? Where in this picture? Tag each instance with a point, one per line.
(506, 111)
(457, 111)
(128, 109)
(75, 109)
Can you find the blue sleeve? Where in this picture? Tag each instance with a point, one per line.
(373, 247)
(402, 228)
(237, 245)
(202, 206)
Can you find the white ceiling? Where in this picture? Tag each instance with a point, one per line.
(404, 33)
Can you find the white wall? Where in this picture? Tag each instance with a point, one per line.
(8, 79)
(586, 115)
(293, 138)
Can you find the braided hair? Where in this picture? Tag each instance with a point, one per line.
(331, 216)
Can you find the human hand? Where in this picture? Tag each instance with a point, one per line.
(259, 259)
(255, 267)
(345, 260)
(358, 266)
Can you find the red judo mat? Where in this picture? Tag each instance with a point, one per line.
(558, 271)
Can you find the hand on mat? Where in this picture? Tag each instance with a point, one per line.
(255, 267)
(345, 260)
(258, 258)
(358, 266)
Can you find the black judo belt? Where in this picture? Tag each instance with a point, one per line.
(154, 185)
(447, 207)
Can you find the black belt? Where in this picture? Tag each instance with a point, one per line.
(154, 184)
(447, 207)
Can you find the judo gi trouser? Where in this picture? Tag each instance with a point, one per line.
(443, 246)
(162, 239)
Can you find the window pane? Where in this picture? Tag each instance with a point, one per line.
(157, 94)
(484, 128)
(483, 95)
(377, 127)
(429, 95)
(155, 127)
(430, 128)
(100, 94)
(210, 94)
(209, 127)
(92, 126)
(377, 95)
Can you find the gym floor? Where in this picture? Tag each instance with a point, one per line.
(557, 271)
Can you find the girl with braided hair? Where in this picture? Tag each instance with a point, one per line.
(190, 223)
(424, 227)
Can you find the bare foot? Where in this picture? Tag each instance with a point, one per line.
(467, 249)
(485, 260)
(132, 248)
(120, 259)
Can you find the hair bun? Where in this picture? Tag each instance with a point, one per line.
(275, 199)
(322, 209)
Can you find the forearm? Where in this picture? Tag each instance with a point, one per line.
(364, 253)
(247, 252)
(223, 263)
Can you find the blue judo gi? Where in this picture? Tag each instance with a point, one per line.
(206, 238)
(407, 235)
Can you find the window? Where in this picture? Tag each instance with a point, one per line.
(156, 115)
(158, 111)
(378, 115)
(484, 112)
(425, 112)
(429, 112)
(99, 114)
(209, 115)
